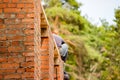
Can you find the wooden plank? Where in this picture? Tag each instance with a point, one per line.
(56, 53)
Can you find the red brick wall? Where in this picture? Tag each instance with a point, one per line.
(16, 39)
(47, 55)
(51, 57)
(24, 53)
(58, 70)
(37, 40)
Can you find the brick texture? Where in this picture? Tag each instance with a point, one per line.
(25, 53)
(16, 55)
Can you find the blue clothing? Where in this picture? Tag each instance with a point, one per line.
(63, 47)
(59, 41)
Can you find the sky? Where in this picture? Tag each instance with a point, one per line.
(95, 10)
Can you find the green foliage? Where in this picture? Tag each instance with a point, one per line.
(96, 51)
(110, 69)
(73, 3)
(54, 3)
(76, 56)
(55, 11)
(71, 18)
(74, 29)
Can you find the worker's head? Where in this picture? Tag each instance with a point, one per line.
(55, 31)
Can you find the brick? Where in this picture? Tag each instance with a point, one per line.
(28, 20)
(3, 49)
(27, 1)
(7, 15)
(29, 69)
(29, 43)
(29, 78)
(10, 16)
(1, 77)
(7, 43)
(15, 54)
(30, 15)
(44, 52)
(6, 0)
(12, 5)
(15, 60)
(3, 43)
(20, 5)
(44, 67)
(12, 10)
(1, 15)
(20, 15)
(20, 70)
(2, 60)
(45, 46)
(9, 66)
(29, 5)
(28, 54)
(45, 75)
(15, 49)
(15, 76)
(29, 38)
(2, 26)
(16, 38)
(3, 5)
(31, 58)
(12, 31)
(1, 21)
(0, 10)
(12, 21)
(45, 40)
(45, 70)
(29, 31)
(30, 48)
(45, 62)
(3, 54)
(14, 16)
(28, 75)
(30, 26)
(2, 38)
(7, 71)
(17, 26)
(44, 57)
(15, 1)
(27, 64)
(2, 32)
(27, 10)
(15, 43)
(45, 43)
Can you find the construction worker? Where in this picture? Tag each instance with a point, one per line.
(63, 47)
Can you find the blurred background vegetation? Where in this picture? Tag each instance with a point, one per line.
(94, 51)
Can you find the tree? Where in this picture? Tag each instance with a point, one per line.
(71, 4)
(57, 12)
(112, 60)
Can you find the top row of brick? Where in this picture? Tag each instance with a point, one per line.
(16, 1)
